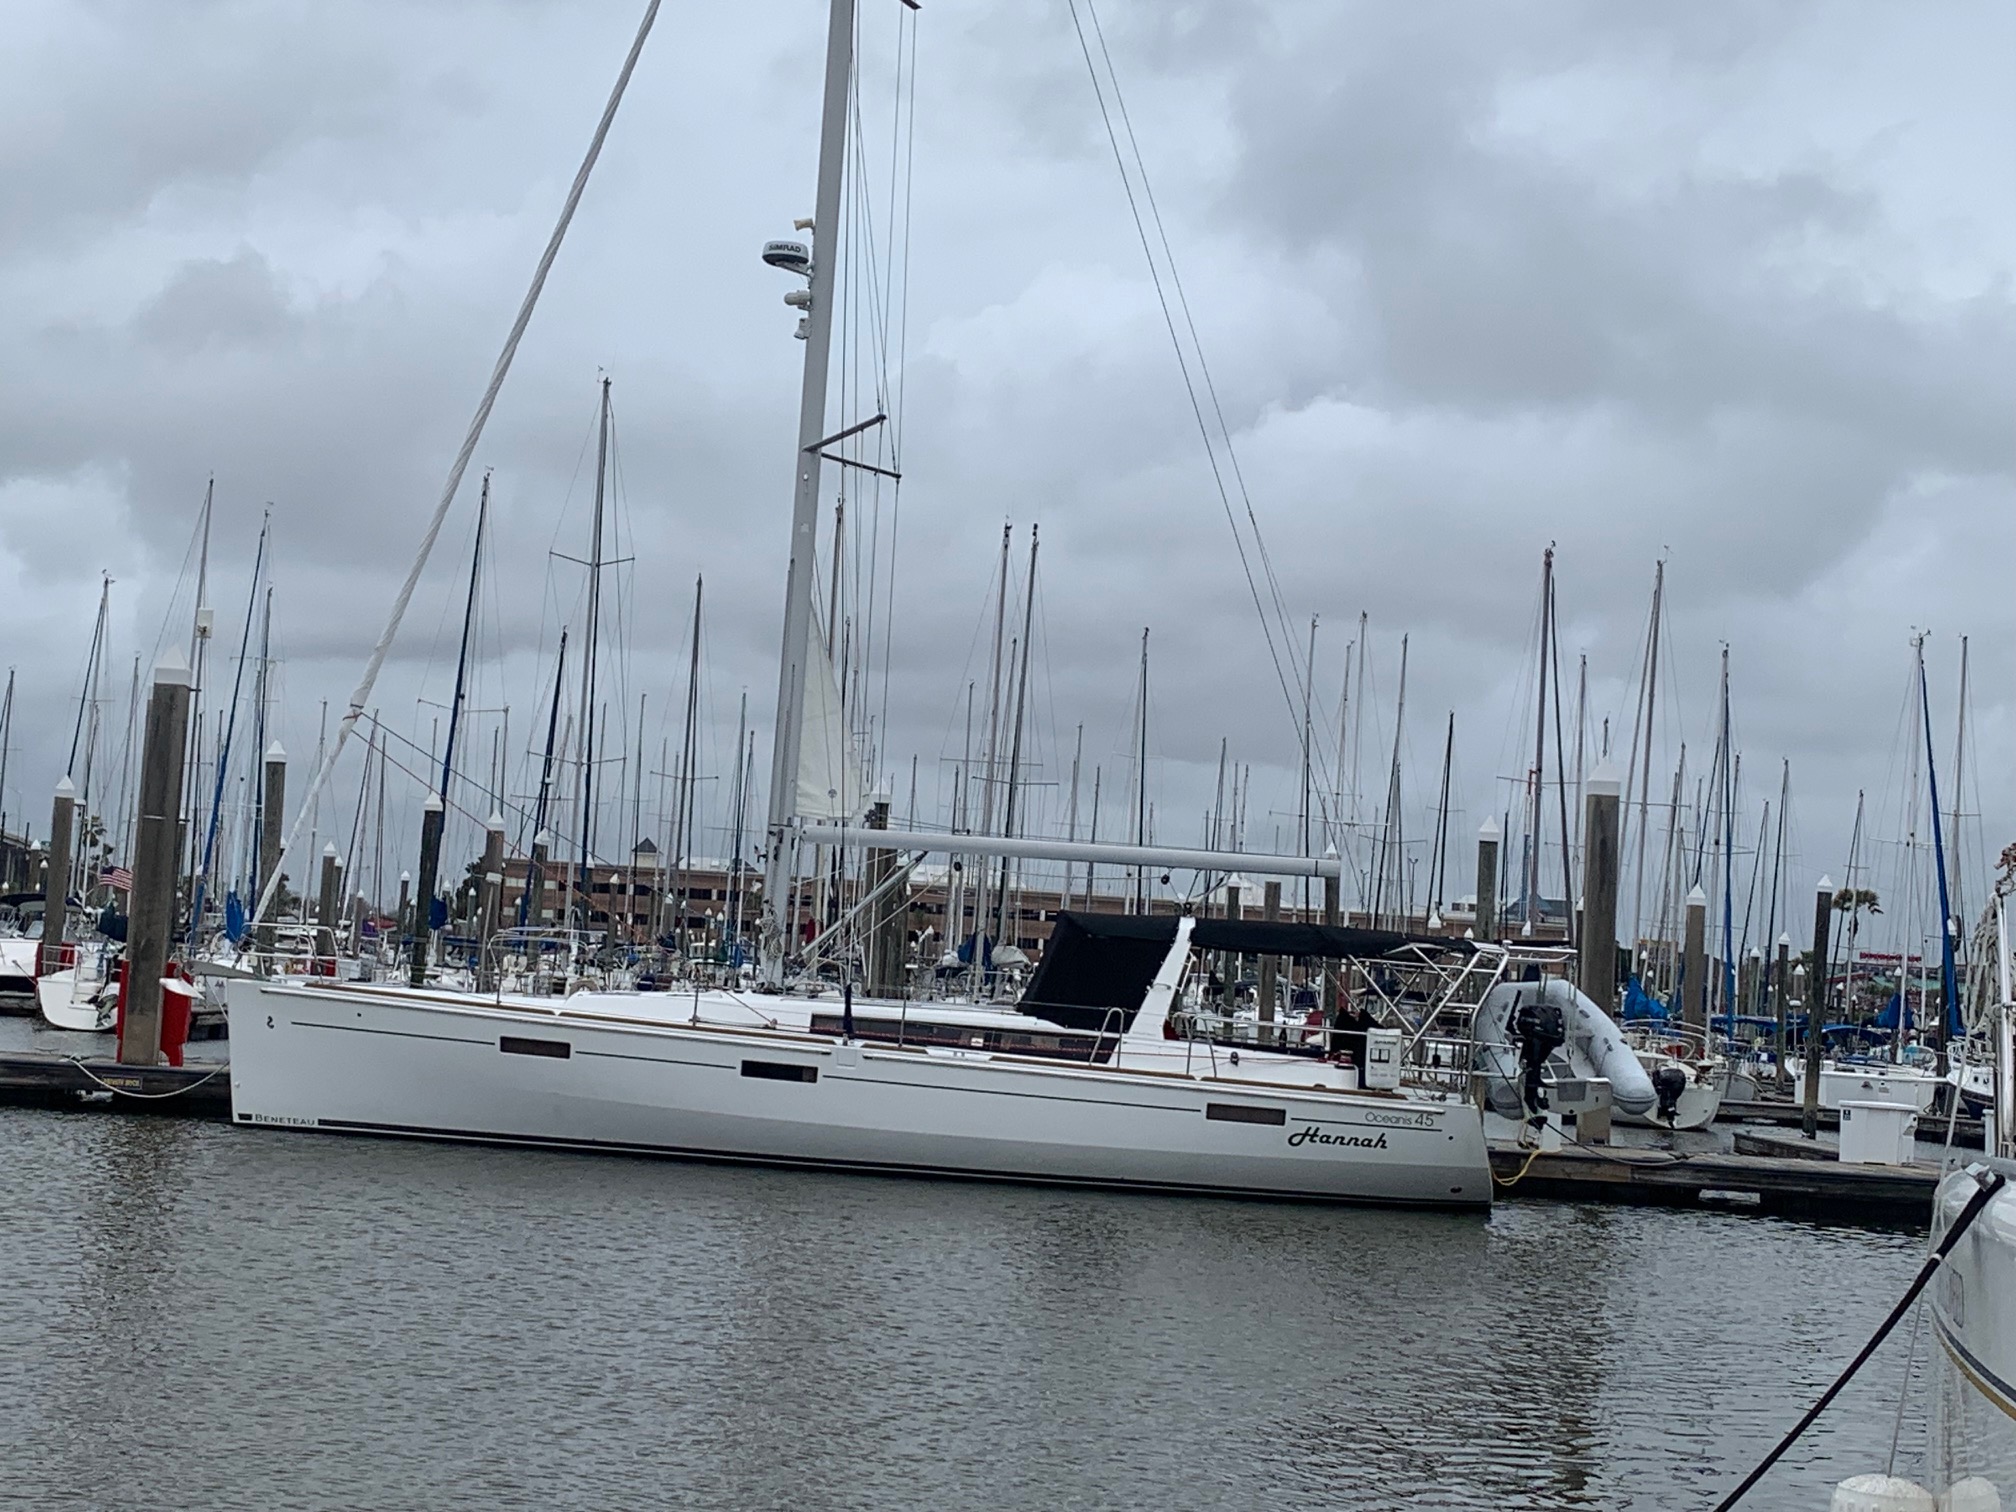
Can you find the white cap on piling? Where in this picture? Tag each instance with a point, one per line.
(1785, 942)
(1489, 830)
(329, 851)
(173, 670)
(495, 823)
(1603, 782)
(1826, 884)
(1697, 898)
(433, 805)
(65, 788)
(275, 752)
(405, 876)
(544, 837)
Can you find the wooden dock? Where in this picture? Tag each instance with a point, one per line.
(36, 1079)
(1776, 1184)
(1967, 1132)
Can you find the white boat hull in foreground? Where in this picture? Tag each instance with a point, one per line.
(1974, 1297)
(373, 1060)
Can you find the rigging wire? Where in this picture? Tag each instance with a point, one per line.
(361, 696)
(1183, 361)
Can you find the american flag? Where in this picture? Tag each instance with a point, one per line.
(118, 878)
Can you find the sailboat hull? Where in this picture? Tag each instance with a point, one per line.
(388, 1062)
(1974, 1298)
(79, 1007)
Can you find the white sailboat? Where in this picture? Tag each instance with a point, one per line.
(602, 1071)
(1099, 1094)
(83, 998)
(1970, 1415)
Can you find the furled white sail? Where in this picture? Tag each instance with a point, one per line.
(830, 785)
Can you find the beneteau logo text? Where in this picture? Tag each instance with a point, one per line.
(1312, 1134)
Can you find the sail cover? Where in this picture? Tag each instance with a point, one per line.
(1096, 969)
(830, 785)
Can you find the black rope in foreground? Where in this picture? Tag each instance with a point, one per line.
(1990, 1185)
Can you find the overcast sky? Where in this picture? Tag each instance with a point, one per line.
(1727, 285)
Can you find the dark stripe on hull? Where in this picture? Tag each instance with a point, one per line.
(861, 1167)
(1989, 1384)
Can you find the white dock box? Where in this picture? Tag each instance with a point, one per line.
(1878, 1133)
(1382, 1058)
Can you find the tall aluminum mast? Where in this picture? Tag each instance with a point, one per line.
(781, 830)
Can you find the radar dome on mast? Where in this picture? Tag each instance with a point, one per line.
(791, 256)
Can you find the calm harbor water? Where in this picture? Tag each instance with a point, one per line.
(197, 1316)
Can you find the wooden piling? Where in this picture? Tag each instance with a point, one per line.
(1781, 984)
(886, 920)
(1270, 966)
(272, 823)
(56, 877)
(325, 893)
(155, 868)
(433, 815)
(1333, 911)
(1694, 969)
(1597, 961)
(1488, 837)
(1815, 1045)
(493, 900)
(535, 880)
(1229, 962)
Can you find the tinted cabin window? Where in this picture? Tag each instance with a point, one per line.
(1241, 1113)
(779, 1071)
(553, 1049)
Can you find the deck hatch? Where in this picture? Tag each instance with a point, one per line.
(779, 1071)
(512, 1044)
(1244, 1113)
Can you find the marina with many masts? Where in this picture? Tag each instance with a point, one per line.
(1587, 939)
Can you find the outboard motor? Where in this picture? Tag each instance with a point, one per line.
(1669, 1081)
(1540, 1030)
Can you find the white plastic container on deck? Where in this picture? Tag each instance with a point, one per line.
(1878, 1133)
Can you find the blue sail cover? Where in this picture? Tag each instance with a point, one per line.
(1640, 1004)
(234, 917)
(1887, 1019)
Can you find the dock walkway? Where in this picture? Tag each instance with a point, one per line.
(38, 1079)
(1777, 1184)
(1967, 1132)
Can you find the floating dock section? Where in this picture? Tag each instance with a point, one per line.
(34, 1079)
(1778, 1184)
